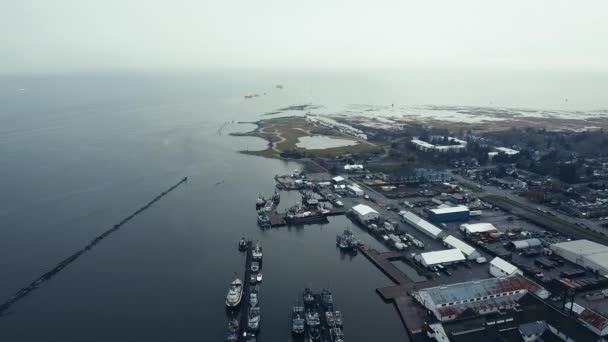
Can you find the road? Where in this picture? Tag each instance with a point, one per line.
(491, 190)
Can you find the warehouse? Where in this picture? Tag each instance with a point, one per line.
(457, 213)
(420, 224)
(484, 296)
(365, 213)
(477, 228)
(501, 268)
(586, 253)
(338, 180)
(445, 257)
(469, 252)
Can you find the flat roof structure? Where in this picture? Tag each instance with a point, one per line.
(363, 210)
(506, 150)
(477, 228)
(449, 210)
(439, 257)
(468, 251)
(505, 266)
(586, 253)
(421, 224)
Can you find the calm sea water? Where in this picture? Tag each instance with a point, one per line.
(80, 152)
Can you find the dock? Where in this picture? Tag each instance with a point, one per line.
(412, 315)
(244, 309)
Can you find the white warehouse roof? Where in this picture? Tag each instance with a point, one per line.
(478, 228)
(468, 251)
(581, 247)
(338, 179)
(421, 224)
(506, 267)
(456, 209)
(363, 210)
(506, 150)
(439, 257)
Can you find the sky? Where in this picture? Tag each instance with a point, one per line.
(184, 35)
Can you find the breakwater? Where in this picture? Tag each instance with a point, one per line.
(25, 291)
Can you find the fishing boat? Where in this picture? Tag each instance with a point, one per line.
(329, 318)
(257, 252)
(254, 296)
(260, 202)
(308, 296)
(253, 279)
(243, 244)
(338, 318)
(301, 215)
(297, 319)
(253, 319)
(314, 333)
(233, 330)
(235, 293)
(255, 266)
(327, 298)
(346, 241)
(258, 277)
(263, 220)
(276, 197)
(336, 334)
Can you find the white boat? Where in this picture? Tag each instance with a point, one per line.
(259, 277)
(235, 293)
(257, 252)
(253, 299)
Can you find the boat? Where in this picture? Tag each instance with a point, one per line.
(254, 296)
(329, 317)
(346, 241)
(243, 244)
(251, 95)
(260, 202)
(257, 252)
(235, 293)
(312, 318)
(255, 266)
(314, 333)
(263, 220)
(258, 277)
(276, 197)
(336, 334)
(297, 319)
(253, 279)
(301, 215)
(308, 296)
(327, 298)
(233, 330)
(338, 318)
(253, 319)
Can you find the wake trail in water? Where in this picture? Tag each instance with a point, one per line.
(24, 292)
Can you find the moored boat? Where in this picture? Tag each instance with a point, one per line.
(263, 220)
(254, 298)
(298, 321)
(329, 318)
(258, 277)
(235, 293)
(253, 319)
(233, 330)
(257, 252)
(255, 266)
(338, 318)
(308, 296)
(327, 299)
(243, 244)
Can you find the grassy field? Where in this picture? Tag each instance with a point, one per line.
(283, 133)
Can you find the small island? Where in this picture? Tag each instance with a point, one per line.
(299, 137)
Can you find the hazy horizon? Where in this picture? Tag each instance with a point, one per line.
(138, 35)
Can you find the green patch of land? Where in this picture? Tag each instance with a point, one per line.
(283, 133)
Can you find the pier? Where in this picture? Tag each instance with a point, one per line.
(26, 291)
(412, 315)
(246, 290)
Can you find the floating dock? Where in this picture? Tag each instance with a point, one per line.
(244, 309)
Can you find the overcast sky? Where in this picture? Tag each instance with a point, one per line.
(90, 35)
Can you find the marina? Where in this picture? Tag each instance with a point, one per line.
(323, 322)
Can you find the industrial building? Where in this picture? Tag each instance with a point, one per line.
(445, 257)
(477, 228)
(525, 244)
(353, 167)
(365, 213)
(469, 252)
(426, 147)
(421, 224)
(338, 180)
(448, 214)
(501, 268)
(585, 253)
(486, 296)
(355, 190)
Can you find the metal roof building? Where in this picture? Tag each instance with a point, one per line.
(364, 212)
(477, 228)
(482, 296)
(421, 224)
(448, 256)
(501, 268)
(457, 213)
(585, 253)
(524, 244)
(469, 252)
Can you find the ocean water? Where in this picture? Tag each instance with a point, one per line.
(81, 151)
